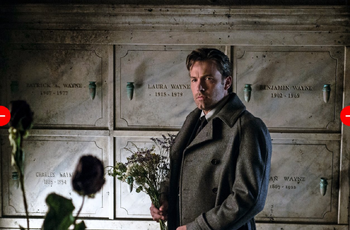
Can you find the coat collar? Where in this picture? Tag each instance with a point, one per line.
(228, 114)
(231, 111)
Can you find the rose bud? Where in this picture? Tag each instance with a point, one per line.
(21, 115)
(88, 177)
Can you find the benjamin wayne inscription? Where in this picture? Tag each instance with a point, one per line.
(286, 87)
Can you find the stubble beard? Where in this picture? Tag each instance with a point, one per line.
(203, 104)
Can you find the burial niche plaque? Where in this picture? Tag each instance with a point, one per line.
(49, 165)
(161, 96)
(65, 86)
(292, 87)
(298, 170)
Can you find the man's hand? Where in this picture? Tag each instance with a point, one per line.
(182, 227)
(161, 213)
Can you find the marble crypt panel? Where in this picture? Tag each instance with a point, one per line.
(66, 86)
(304, 181)
(152, 86)
(49, 165)
(292, 88)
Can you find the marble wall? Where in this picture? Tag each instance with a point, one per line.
(292, 59)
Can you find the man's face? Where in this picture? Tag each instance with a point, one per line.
(207, 85)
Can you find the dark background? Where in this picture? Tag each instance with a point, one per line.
(187, 2)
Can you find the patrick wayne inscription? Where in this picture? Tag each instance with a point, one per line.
(51, 89)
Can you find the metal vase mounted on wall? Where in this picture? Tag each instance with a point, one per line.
(130, 90)
(130, 181)
(326, 92)
(15, 178)
(247, 92)
(323, 186)
(92, 89)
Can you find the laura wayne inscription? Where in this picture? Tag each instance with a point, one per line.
(286, 88)
(167, 90)
(54, 178)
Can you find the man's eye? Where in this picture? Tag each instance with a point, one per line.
(208, 78)
(193, 80)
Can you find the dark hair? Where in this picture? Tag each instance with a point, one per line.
(223, 63)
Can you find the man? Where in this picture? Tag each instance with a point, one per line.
(219, 177)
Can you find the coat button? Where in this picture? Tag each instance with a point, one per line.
(215, 161)
(215, 190)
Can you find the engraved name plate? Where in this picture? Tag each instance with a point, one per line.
(58, 83)
(49, 165)
(297, 168)
(292, 87)
(161, 96)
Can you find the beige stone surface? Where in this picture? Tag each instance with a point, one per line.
(288, 83)
(55, 80)
(49, 165)
(294, 187)
(162, 96)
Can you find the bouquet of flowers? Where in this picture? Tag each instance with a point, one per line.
(147, 169)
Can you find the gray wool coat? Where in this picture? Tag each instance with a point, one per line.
(220, 180)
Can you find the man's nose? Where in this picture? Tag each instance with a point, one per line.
(201, 86)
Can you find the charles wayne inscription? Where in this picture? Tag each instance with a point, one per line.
(54, 178)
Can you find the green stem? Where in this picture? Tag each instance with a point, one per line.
(21, 179)
(162, 225)
(81, 207)
(19, 166)
(19, 160)
(152, 187)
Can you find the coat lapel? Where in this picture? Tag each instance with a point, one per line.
(229, 114)
(184, 135)
(205, 134)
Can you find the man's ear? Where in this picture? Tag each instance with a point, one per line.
(228, 82)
